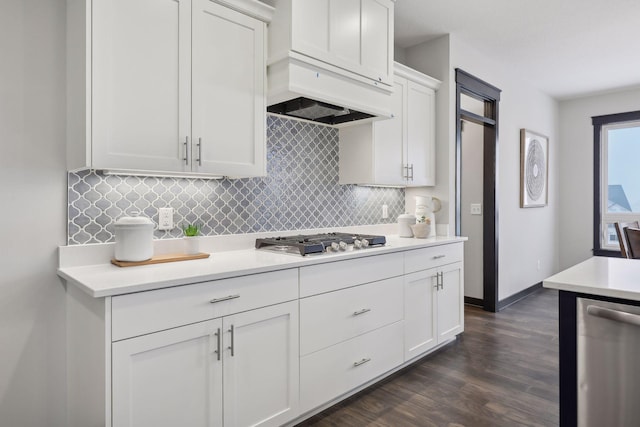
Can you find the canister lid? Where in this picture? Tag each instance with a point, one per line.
(134, 219)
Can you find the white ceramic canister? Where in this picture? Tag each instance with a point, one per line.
(134, 238)
(405, 221)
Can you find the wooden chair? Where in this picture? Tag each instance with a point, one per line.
(622, 238)
(633, 242)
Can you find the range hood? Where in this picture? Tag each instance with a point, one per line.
(302, 87)
(317, 111)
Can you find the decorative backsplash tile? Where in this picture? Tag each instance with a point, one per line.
(300, 191)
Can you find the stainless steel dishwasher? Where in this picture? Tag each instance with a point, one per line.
(608, 364)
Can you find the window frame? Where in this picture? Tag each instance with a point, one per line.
(600, 185)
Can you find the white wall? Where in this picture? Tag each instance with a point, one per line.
(576, 175)
(32, 218)
(525, 235)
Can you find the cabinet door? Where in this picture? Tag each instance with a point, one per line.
(229, 100)
(377, 39)
(355, 35)
(389, 140)
(170, 378)
(421, 134)
(141, 84)
(450, 302)
(261, 366)
(419, 313)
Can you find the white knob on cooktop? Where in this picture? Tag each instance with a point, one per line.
(335, 246)
(365, 243)
(357, 244)
(342, 245)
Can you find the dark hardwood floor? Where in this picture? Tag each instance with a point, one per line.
(502, 371)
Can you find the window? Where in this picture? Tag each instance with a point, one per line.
(617, 177)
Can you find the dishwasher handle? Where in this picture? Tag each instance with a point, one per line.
(615, 315)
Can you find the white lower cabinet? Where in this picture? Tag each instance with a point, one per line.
(168, 378)
(261, 373)
(179, 376)
(265, 349)
(433, 309)
(354, 333)
(336, 370)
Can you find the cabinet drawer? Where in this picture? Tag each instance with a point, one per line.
(333, 317)
(327, 374)
(423, 259)
(145, 312)
(317, 279)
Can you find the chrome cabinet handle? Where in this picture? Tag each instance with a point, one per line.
(615, 315)
(231, 347)
(199, 159)
(215, 300)
(361, 362)
(219, 340)
(359, 312)
(411, 168)
(441, 280)
(186, 150)
(438, 256)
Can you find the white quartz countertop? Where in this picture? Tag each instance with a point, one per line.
(105, 279)
(603, 276)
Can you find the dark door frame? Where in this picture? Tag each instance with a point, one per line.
(490, 95)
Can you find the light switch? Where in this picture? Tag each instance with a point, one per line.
(476, 208)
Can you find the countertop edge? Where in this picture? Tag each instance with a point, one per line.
(87, 277)
(600, 276)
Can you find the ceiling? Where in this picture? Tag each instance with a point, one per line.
(566, 48)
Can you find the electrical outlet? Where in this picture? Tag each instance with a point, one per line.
(476, 208)
(385, 211)
(165, 219)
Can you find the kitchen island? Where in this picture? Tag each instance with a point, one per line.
(599, 310)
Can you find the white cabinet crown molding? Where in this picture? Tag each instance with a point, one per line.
(416, 76)
(253, 8)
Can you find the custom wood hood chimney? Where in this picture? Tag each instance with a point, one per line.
(332, 61)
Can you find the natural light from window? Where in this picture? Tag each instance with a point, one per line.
(621, 188)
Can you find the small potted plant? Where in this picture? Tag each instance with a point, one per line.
(191, 240)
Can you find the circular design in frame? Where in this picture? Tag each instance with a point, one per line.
(535, 170)
(534, 165)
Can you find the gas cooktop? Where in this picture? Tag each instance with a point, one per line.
(320, 243)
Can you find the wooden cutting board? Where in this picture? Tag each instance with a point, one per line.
(160, 259)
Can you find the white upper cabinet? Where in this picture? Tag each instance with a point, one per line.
(228, 121)
(398, 151)
(168, 86)
(334, 51)
(356, 35)
(141, 67)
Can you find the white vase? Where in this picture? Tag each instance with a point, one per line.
(192, 245)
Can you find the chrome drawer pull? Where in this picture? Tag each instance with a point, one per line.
(359, 312)
(218, 339)
(199, 159)
(232, 346)
(186, 151)
(438, 256)
(215, 300)
(362, 362)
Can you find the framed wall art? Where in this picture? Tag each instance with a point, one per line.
(534, 169)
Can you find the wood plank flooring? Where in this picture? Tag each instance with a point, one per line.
(502, 371)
